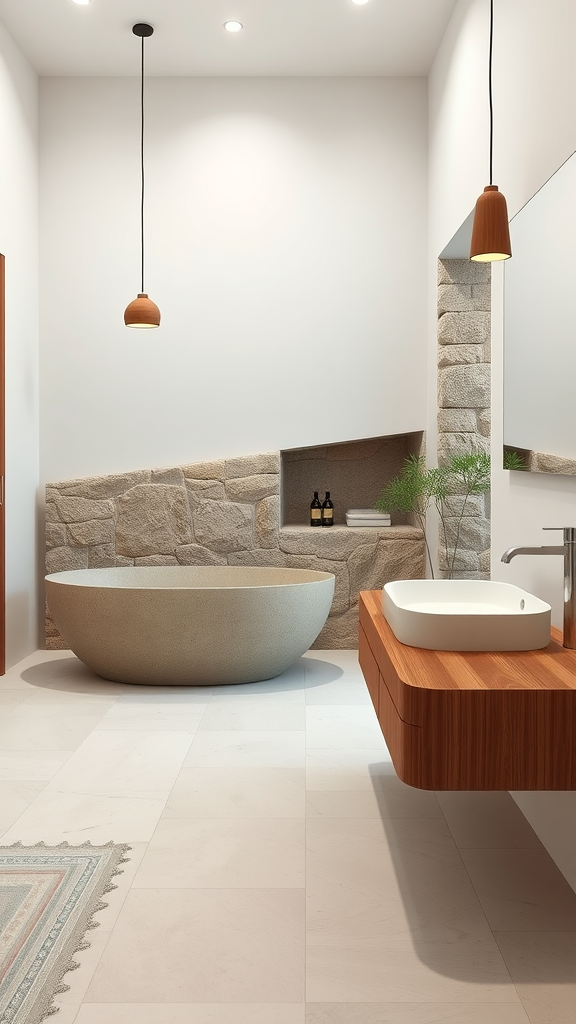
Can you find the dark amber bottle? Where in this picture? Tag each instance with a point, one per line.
(327, 511)
(315, 511)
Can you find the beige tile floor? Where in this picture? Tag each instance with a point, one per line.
(280, 873)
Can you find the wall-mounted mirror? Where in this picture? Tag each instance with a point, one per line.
(540, 330)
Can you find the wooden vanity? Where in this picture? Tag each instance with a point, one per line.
(471, 720)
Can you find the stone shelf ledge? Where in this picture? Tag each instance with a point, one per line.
(357, 556)
(395, 532)
(331, 540)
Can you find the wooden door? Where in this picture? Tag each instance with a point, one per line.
(2, 478)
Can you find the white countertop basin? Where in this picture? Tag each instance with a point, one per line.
(465, 615)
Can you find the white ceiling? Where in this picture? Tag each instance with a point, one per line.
(280, 37)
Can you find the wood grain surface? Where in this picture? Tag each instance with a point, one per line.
(474, 720)
(2, 465)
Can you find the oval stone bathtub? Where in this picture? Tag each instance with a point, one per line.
(188, 624)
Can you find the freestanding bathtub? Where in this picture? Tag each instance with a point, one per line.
(196, 625)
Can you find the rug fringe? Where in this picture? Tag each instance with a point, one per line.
(19, 845)
(86, 924)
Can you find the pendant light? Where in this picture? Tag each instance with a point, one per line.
(490, 232)
(142, 312)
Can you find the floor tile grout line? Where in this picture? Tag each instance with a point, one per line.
(217, 888)
(474, 889)
(28, 806)
(53, 781)
(113, 928)
(181, 768)
(168, 795)
(535, 931)
(525, 1002)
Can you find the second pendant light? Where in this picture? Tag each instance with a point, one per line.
(490, 231)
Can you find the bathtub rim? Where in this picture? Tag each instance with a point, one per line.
(97, 576)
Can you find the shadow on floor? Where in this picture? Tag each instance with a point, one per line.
(478, 888)
(71, 675)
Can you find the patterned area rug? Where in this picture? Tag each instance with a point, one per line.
(48, 896)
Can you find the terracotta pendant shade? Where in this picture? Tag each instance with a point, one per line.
(142, 312)
(490, 231)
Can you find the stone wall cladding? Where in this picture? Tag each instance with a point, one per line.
(225, 512)
(464, 400)
(541, 462)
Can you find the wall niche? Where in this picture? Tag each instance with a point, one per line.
(353, 471)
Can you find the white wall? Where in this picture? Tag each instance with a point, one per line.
(286, 248)
(19, 243)
(535, 131)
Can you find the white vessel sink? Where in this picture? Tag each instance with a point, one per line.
(465, 615)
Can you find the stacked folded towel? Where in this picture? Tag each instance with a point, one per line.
(367, 517)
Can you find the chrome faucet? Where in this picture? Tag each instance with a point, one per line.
(568, 549)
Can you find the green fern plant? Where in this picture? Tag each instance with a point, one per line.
(513, 460)
(418, 486)
(411, 492)
(470, 473)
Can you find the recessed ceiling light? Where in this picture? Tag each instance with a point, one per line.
(233, 26)
(81, 1)
(359, 2)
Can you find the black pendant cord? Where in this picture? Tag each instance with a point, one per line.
(142, 166)
(490, 86)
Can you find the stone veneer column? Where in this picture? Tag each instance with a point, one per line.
(225, 512)
(464, 399)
